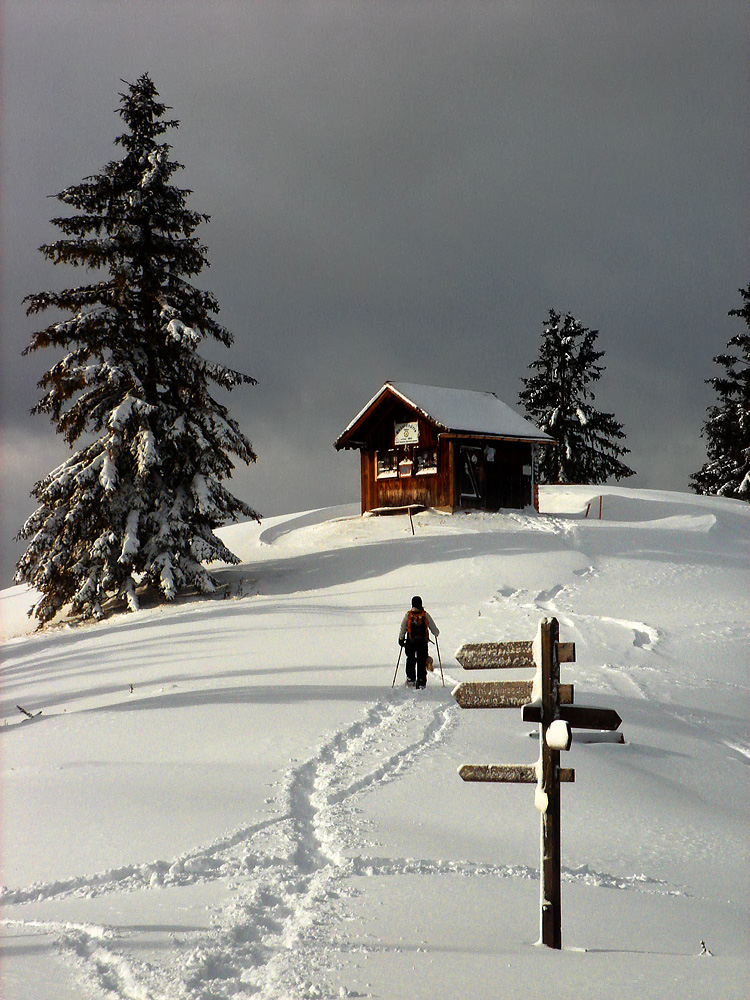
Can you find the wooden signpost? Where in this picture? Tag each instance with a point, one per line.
(546, 701)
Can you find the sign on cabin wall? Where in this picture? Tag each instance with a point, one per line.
(407, 433)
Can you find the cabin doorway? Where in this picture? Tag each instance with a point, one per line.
(472, 479)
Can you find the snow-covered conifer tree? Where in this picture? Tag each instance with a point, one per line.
(137, 504)
(559, 398)
(727, 427)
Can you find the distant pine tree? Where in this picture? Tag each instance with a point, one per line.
(559, 399)
(727, 427)
(139, 502)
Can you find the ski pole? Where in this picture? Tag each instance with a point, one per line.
(440, 663)
(397, 663)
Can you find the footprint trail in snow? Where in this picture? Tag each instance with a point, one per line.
(288, 876)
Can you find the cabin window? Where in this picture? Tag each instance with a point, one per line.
(387, 465)
(404, 462)
(425, 462)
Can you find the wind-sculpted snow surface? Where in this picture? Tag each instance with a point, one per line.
(287, 875)
(355, 862)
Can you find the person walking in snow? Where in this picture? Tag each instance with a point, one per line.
(414, 636)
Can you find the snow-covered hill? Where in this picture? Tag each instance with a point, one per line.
(226, 798)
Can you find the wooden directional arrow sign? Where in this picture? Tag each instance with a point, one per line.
(502, 694)
(578, 716)
(507, 655)
(520, 774)
(488, 655)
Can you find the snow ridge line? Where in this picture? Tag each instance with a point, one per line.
(318, 792)
(581, 874)
(393, 767)
(738, 747)
(98, 966)
(183, 870)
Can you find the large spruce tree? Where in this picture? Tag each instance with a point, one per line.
(727, 427)
(559, 398)
(138, 504)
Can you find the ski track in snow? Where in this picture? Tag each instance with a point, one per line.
(618, 678)
(639, 635)
(288, 876)
(643, 636)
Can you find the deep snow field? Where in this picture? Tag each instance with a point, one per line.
(226, 797)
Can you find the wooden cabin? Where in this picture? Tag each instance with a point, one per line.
(455, 449)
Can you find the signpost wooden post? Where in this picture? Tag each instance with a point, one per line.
(546, 701)
(549, 793)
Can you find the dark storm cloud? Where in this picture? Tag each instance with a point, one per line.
(402, 190)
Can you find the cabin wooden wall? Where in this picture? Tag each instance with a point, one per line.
(429, 489)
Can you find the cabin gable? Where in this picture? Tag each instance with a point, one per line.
(402, 462)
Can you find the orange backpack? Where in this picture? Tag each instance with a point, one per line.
(416, 625)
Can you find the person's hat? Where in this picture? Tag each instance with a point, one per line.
(416, 602)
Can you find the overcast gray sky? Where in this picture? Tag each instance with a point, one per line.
(401, 190)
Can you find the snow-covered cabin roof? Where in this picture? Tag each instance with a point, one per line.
(459, 410)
